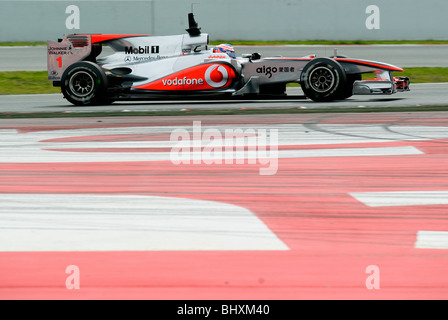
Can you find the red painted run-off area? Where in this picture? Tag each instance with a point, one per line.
(332, 237)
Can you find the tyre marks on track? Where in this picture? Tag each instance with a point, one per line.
(317, 207)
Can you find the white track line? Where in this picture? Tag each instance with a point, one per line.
(432, 240)
(402, 198)
(31, 147)
(50, 222)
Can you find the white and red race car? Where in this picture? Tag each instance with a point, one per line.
(147, 67)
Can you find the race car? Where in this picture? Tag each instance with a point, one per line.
(147, 67)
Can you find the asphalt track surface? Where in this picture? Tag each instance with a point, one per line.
(420, 95)
(354, 206)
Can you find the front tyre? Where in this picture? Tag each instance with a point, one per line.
(84, 83)
(347, 91)
(323, 80)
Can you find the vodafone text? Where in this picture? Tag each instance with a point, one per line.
(182, 81)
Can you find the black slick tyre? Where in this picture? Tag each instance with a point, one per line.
(323, 80)
(84, 83)
(347, 92)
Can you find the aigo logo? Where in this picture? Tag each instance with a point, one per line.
(200, 77)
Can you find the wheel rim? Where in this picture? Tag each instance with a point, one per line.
(321, 79)
(81, 84)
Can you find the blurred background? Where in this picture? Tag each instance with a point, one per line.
(258, 20)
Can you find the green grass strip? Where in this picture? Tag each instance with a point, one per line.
(25, 82)
(22, 44)
(419, 75)
(425, 75)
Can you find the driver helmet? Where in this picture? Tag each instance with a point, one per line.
(225, 48)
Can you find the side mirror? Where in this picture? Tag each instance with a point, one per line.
(251, 56)
(256, 56)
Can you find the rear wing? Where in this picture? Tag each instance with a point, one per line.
(66, 51)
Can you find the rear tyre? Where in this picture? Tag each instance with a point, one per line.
(84, 83)
(323, 80)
